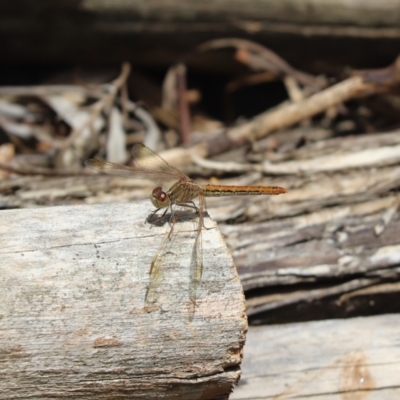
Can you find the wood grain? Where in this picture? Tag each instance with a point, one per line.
(73, 319)
(350, 359)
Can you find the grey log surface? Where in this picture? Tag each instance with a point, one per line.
(74, 323)
(348, 359)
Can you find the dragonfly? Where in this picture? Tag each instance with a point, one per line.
(174, 188)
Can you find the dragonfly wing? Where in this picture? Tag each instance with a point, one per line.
(158, 177)
(196, 271)
(146, 165)
(147, 160)
(157, 270)
(167, 247)
(196, 264)
(156, 274)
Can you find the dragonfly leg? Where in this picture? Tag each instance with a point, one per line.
(205, 226)
(171, 222)
(188, 205)
(158, 218)
(193, 206)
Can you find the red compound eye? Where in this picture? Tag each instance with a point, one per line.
(156, 191)
(159, 194)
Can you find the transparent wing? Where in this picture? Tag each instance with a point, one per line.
(147, 165)
(156, 272)
(156, 269)
(146, 159)
(196, 263)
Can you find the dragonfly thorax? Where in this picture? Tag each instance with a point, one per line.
(159, 198)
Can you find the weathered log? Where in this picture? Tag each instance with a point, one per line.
(74, 322)
(350, 359)
(333, 237)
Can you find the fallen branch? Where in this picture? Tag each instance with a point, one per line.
(286, 115)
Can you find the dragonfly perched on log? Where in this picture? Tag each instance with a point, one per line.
(174, 188)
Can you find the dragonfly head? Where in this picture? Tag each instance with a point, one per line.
(159, 198)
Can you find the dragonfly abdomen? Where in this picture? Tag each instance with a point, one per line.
(220, 190)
